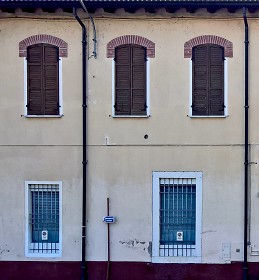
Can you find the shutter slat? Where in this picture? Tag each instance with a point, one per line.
(123, 102)
(50, 54)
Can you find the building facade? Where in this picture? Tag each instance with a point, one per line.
(166, 130)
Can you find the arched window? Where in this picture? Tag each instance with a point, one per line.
(208, 75)
(43, 55)
(130, 80)
(42, 80)
(130, 75)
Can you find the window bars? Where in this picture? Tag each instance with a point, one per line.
(44, 218)
(177, 217)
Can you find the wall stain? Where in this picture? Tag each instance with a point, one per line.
(4, 251)
(136, 244)
(209, 231)
(132, 243)
(149, 248)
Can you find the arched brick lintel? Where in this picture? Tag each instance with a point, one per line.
(130, 39)
(44, 39)
(208, 39)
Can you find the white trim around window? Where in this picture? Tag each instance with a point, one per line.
(147, 93)
(50, 193)
(159, 255)
(225, 91)
(60, 92)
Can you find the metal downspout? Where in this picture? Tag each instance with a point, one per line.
(83, 263)
(245, 264)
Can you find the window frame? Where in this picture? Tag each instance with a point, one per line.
(60, 94)
(225, 114)
(157, 175)
(147, 91)
(27, 223)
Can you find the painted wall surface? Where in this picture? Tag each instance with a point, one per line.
(120, 159)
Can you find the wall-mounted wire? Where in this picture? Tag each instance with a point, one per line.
(94, 53)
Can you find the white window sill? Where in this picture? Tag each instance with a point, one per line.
(176, 259)
(37, 255)
(130, 116)
(221, 117)
(43, 116)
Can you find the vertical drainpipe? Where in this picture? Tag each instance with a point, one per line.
(245, 264)
(83, 263)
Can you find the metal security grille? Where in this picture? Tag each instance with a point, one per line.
(44, 218)
(177, 217)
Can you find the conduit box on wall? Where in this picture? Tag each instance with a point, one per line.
(226, 250)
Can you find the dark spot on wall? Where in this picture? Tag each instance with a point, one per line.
(149, 248)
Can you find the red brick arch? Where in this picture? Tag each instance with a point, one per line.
(208, 39)
(43, 38)
(131, 39)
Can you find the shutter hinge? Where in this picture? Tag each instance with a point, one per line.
(193, 56)
(145, 107)
(193, 107)
(116, 107)
(223, 107)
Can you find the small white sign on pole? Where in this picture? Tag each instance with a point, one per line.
(109, 219)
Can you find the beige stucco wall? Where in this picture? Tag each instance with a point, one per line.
(121, 161)
(27, 163)
(17, 130)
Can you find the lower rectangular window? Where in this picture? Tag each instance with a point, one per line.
(176, 216)
(43, 219)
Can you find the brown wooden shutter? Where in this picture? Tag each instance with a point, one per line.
(51, 86)
(208, 80)
(123, 80)
(43, 87)
(200, 79)
(130, 96)
(35, 101)
(216, 83)
(138, 91)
